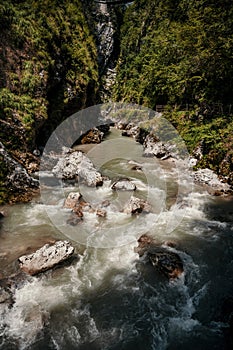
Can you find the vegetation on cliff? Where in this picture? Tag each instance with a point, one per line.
(178, 53)
(48, 70)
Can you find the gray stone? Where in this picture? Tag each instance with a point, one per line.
(208, 178)
(77, 166)
(17, 178)
(72, 200)
(136, 205)
(155, 148)
(46, 257)
(124, 185)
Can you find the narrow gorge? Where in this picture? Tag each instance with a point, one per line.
(116, 220)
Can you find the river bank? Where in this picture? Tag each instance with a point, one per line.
(109, 277)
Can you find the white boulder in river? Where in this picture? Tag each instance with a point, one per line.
(77, 166)
(46, 257)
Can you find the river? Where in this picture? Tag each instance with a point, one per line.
(110, 298)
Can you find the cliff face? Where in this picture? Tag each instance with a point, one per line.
(48, 70)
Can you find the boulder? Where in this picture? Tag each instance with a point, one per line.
(169, 263)
(155, 148)
(92, 136)
(124, 185)
(131, 130)
(77, 166)
(17, 178)
(46, 257)
(72, 200)
(136, 205)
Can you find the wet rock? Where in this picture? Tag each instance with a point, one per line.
(155, 148)
(131, 130)
(17, 179)
(124, 185)
(101, 213)
(169, 263)
(5, 296)
(84, 206)
(214, 185)
(105, 203)
(78, 211)
(120, 125)
(46, 257)
(92, 136)
(104, 128)
(141, 135)
(77, 166)
(74, 220)
(146, 244)
(72, 200)
(136, 205)
(136, 167)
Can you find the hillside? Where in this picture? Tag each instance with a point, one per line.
(178, 54)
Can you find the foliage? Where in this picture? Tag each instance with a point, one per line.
(48, 63)
(183, 53)
(48, 70)
(178, 53)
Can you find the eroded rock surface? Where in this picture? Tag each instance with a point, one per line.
(211, 180)
(17, 179)
(169, 263)
(77, 166)
(164, 260)
(136, 205)
(153, 147)
(72, 200)
(124, 185)
(46, 257)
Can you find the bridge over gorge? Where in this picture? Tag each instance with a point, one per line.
(113, 2)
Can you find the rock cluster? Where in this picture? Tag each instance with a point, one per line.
(208, 178)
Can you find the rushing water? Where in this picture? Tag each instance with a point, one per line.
(110, 298)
